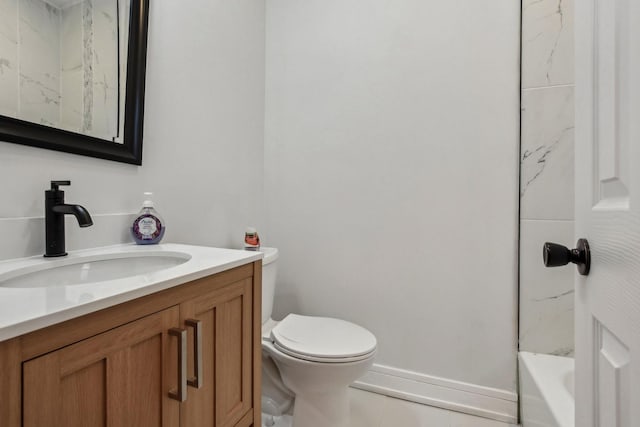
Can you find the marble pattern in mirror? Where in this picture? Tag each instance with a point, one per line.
(61, 64)
(72, 75)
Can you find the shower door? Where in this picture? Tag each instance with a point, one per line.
(608, 212)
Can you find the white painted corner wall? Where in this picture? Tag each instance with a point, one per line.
(391, 181)
(203, 141)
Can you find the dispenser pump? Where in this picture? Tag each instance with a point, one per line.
(55, 185)
(148, 203)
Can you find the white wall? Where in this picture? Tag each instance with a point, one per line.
(547, 175)
(203, 142)
(391, 176)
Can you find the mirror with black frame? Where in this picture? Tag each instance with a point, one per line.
(72, 75)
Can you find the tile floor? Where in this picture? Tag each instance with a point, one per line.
(375, 410)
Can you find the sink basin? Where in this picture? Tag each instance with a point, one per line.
(91, 269)
(36, 292)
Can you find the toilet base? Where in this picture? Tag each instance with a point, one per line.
(322, 409)
(276, 421)
(314, 412)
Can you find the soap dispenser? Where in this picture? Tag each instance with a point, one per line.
(148, 228)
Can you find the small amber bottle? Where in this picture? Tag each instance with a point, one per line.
(251, 239)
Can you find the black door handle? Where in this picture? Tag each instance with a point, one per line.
(556, 255)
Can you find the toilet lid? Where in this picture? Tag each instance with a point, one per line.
(322, 339)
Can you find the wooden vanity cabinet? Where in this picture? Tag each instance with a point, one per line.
(114, 378)
(117, 367)
(224, 396)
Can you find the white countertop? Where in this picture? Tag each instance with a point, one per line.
(25, 309)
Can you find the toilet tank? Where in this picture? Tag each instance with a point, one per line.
(269, 270)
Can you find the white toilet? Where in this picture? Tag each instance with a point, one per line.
(311, 359)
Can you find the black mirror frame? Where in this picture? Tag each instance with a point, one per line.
(35, 135)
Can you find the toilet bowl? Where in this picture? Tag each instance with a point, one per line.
(317, 358)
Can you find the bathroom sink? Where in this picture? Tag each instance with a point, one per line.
(91, 269)
(37, 291)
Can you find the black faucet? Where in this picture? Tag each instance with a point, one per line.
(54, 211)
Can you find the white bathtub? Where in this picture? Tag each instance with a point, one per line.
(546, 390)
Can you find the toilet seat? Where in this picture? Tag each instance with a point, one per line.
(322, 339)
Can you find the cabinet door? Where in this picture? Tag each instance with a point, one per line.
(118, 378)
(224, 396)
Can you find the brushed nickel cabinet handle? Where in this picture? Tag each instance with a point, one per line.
(196, 381)
(181, 394)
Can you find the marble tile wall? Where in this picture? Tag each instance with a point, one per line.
(72, 81)
(89, 49)
(39, 31)
(9, 81)
(105, 69)
(547, 189)
(72, 73)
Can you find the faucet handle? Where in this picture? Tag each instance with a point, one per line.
(56, 184)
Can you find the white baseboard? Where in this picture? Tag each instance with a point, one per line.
(496, 404)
